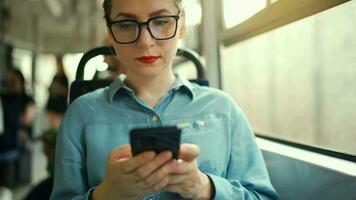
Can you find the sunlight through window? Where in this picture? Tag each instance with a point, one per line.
(237, 11)
(193, 12)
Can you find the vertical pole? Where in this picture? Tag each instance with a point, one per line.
(36, 48)
(210, 32)
(2, 45)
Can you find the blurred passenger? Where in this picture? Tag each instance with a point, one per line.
(59, 85)
(55, 110)
(19, 113)
(15, 88)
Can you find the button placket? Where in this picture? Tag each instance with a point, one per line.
(154, 117)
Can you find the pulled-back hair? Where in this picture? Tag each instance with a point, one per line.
(107, 8)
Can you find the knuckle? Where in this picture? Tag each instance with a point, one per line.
(165, 181)
(140, 173)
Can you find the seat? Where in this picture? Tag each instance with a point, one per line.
(81, 86)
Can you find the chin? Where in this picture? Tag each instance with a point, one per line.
(150, 72)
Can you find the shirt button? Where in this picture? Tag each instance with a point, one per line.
(154, 118)
(200, 123)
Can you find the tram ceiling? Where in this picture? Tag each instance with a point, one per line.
(51, 26)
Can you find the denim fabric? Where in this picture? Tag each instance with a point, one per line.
(101, 120)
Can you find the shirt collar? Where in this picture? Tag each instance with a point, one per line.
(181, 84)
(184, 85)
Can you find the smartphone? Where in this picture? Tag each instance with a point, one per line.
(157, 139)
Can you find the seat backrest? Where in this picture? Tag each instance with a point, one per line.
(81, 86)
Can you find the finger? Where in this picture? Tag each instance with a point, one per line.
(183, 167)
(177, 179)
(137, 161)
(158, 175)
(188, 152)
(176, 188)
(120, 152)
(160, 185)
(151, 166)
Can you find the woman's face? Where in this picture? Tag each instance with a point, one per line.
(146, 57)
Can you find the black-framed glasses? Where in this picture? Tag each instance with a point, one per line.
(160, 28)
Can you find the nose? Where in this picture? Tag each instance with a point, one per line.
(145, 40)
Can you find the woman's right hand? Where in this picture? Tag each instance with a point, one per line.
(131, 177)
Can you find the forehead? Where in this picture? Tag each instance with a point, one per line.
(142, 8)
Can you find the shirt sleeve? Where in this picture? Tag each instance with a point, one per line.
(70, 178)
(247, 176)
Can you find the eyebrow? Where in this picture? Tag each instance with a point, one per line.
(129, 15)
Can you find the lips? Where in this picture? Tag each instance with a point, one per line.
(148, 59)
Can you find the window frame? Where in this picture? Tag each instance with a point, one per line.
(275, 15)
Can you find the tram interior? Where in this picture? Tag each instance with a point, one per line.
(289, 64)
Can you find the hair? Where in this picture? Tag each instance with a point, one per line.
(107, 8)
(20, 76)
(57, 104)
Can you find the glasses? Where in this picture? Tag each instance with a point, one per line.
(160, 28)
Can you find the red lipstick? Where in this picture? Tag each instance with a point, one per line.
(148, 59)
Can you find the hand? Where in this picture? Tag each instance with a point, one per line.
(131, 177)
(186, 179)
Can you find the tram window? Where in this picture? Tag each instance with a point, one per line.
(192, 39)
(193, 19)
(298, 82)
(237, 11)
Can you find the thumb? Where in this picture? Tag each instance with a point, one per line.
(189, 152)
(120, 153)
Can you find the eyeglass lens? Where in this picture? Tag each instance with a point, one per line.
(160, 28)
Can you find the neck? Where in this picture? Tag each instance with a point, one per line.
(151, 89)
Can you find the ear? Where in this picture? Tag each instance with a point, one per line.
(182, 27)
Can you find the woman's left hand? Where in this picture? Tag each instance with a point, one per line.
(186, 179)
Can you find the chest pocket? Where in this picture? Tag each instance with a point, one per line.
(201, 125)
(207, 131)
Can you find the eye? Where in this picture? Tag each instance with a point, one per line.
(123, 26)
(161, 21)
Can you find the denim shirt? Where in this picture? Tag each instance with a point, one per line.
(99, 121)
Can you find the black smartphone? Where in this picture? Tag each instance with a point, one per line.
(157, 139)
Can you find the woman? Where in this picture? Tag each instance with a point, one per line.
(219, 160)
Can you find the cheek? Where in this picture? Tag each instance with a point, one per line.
(170, 49)
(124, 55)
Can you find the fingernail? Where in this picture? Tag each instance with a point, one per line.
(149, 155)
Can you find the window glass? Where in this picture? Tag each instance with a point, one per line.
(237, 11)
(192, 39)
(193, 12)
(193, 22)
(298, 82)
